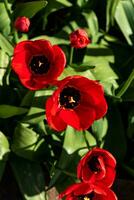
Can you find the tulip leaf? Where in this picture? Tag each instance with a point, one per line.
(7, 111)
(64, 2)
(4, 151)
(24, 141)
(29, 9)
(4, 20)
(36, 112)
(110, 12)
(92, 23)
(54, 40)
(76, 144)
(130, 130)
(30, 178)
(74, 71)
(125, 20)
(100, 128)
(6, 45)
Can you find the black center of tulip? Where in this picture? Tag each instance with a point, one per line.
(39, 64)
(86, 197)
(94, 164)
(69, 97)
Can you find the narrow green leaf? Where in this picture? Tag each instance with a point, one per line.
(4, 20)
(30, 178)
(92, 23)
(7, 111)
(4, 151)
(110, 12)
(54, 40)
(29, 9)
(5, 45)
(125, 19)
(65, 2)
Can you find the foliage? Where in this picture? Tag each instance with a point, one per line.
(40, 157)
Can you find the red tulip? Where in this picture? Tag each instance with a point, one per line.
(38, 63)
(77, 102)
(98, 165)
(86, 191)
(22, 24)
(79, 38)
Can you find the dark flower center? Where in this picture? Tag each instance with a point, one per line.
(39, 64)
(86, 197)
(69, 97)
(94, 164)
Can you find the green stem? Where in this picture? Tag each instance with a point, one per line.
(71, 55)
(126, 85)
(16, 37)
(7, 9)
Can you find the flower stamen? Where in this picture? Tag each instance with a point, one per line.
(69, 98)
(39, 64)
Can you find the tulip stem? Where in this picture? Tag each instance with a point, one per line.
(16, 37)
(71, 55)
(126, 85)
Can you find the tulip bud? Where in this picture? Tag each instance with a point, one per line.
(79, 38)
(22, 24)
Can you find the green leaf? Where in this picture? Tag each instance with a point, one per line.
(7, 111)
(4, 151)
(30, 178)
(54, 40)
(130, 130)
(101, 57)
(73, 71)
(100, 128)
(76, 144)
(92, 23)
(4, 20)
(24, 141)
(71, 136)
(64, 2)
(4, 61)
(110, 12)
(29, 9)
(37, 114)
(125, 19)
(5, 45)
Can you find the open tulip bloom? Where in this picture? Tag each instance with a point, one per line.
(98, 165)
(77, 102)
(37, 63)
(86, 191)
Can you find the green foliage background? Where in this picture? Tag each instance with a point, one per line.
(39, 157)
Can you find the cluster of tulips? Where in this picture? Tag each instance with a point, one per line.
(77, 101)
(96, 171)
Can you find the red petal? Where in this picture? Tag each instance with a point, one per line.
(20, 64)
(58, 63)
(45, 48)
(53, 116)
(86, 116)
(108, 157)
(70, 118)
(109, 177)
